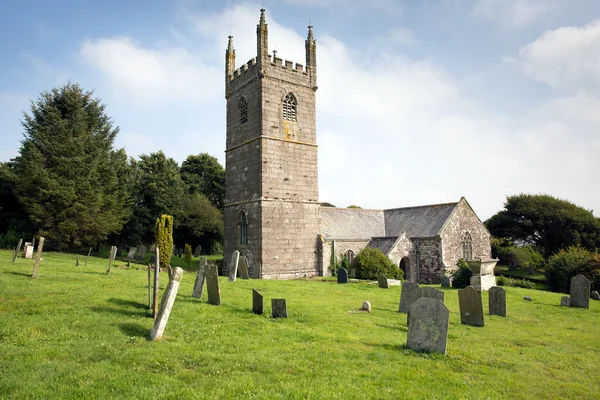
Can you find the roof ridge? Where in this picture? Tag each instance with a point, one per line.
(353, 209)
(423, 206)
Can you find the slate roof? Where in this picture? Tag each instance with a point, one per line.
(421, 221)
(384, 243)
(351, 223)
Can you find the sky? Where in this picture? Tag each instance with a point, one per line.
(419, 102)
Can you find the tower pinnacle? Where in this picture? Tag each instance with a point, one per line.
(262, 39)
(229, 58)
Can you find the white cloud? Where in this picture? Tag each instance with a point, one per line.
(513, 13)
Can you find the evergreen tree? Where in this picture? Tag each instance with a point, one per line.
(204, 174)
(187, 254)
(164, 238)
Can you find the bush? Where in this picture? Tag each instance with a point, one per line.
(517, 256)
(461, 277)
(372, 262)
(506, 281)
(566, 264)
(187, 254)
(216, 248)
(164, 238)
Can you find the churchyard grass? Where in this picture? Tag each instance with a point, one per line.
(520, 273)
(74, 332)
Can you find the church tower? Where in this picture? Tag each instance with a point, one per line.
(271, 196)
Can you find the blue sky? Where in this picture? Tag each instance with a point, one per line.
(419, 102)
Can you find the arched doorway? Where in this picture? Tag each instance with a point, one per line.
(405, 267)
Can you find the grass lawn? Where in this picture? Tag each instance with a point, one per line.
(74, 332)
(520, 273)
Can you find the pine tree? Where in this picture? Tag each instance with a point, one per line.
(164, 238)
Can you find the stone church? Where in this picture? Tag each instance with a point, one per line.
(272, 210)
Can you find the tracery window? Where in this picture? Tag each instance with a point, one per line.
(243, 110)
(243, 229)
(467, 246)
(289, 107)
(349, 256)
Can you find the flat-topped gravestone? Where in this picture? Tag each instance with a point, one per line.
(279, 308)
(382, 281)
(428, 326)
(233, 265)
(131, 252)
(595, 295)
(243, 268)
(342, 275)
(432, 293)
(565, 301)
(471, 306)
(497, 301)
(200, 279)
(28, 250)
(580, 291)
(257, 302)
(212, 285)
(166, 305)
(410, 293)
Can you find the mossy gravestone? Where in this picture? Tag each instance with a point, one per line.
(580, 291)
(432, 293)
(471, 306)
(410, 293)
(279, 308)
(257, 302)
(200, 278)
(428, 326)
(166, 305)
(212, 285)
(233, 266)
(497, 301)
(243, 267)
(382, 281)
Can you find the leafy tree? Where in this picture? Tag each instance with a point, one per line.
(164, 238)
(65, 177)
(199, 223)
(545, 222)
(187, 254)
(354, 206)
(204, 174)
(461, 277)
(14, 222)
(567, 263)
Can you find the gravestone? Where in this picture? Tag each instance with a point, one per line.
(233, 265)
(580, 291)
(366, 306)
(166, 304)
(197, 251)
(382, 281)
(111, 256)
(527, 298)
(471, 306)
(200, 278)
(279, 308)
(428, 326)
(131, 253)
(432, 293)
(77, 260)
(243, 268)
(28, 250)
(88, 256)
(565, 301)
(212, 285)
(410, 293)
(497, 301)
(353, 273)
(595, 295)
(17, 249)
(342, 275)
(38, 257)
(530, 269)
(257, 302)
(141, 253)
(156, 282)
(445, 281)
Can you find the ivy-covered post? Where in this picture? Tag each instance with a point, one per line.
(164, 239)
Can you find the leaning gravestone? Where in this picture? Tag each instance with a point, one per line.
(342, 275)
(17, 249)
(428, 326)
(410, 293)
(595, 295)
(382, 281)
(243, 268)
(38, 257)
(233, 265)
(257, 302)
(200, 278)
(565, 301)
(497, 301)
(131, 253)
(432, 293)
(197, 251)
(279, 308)
(471, 306)
(580, 291)
(212, 285)
(160, 323)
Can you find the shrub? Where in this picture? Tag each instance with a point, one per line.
(216, 247)
(567, 263)
(372, 262)
(506, 281)
(517, 256)
(164, 238)
(333, 263)
(345, 264)
(461, 277)
(187, 254)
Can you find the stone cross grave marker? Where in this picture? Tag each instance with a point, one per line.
(382, 281)
(166, 305)
(17, 249)
(197, 251)
(233, 265)
(257, 302)
(432, 293)
(580, 291)
(342, 275)
(410, 293)
(279, 308)
(243, 268)
(200, 278)
(38, 257)
(471, 306)
(212, 285)
(565, 301)
(497, 301)
(428, 326)
(131, 253)
(28, 250)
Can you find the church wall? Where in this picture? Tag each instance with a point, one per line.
(404, 248)
(430, 259)
(252, 250)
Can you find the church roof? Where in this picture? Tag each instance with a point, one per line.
(384, 243)
(421, 221)
(351, 223)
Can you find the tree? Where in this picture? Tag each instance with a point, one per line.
(354, 206)
(65, 177)
(187, 254)
(14, 221)
(548, 223)
(372, 262)
(204, 174)
(200, 223)
(164, 238)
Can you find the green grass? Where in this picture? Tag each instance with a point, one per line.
(537, 276)
(74, 332)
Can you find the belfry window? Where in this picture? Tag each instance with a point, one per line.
(289, 107)
(467, 246)
(243, 229)
(243, 110)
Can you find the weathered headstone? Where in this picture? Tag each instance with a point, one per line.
(233, 265)
(197, 251)
(279, 308)
(445, 281)
(131, 252)
(497, 301)
(149, 286)
(28, 250)
(38, 257)
(88, 256)
(200, 278)
(77, 260)
(156, 282)
(471, 306)
(212, 285)
(17, 249)
(243, 268)
(160, 323)
(410, 293)
(342, 275)
(366, 306)
(382, 281)
(141, 253)
(428, 326)
(432, 293)
(580, 291)
(353, 273)
(111, 256)
(595, 295)
(257, 302)
(565, 301)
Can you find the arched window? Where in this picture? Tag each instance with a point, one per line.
(243, 229)
(289, 107)
(349, 254)
(243, 110)
(467, 246)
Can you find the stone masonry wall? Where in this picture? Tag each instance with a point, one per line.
(231, 232)
(404, 248)
(430, 259)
